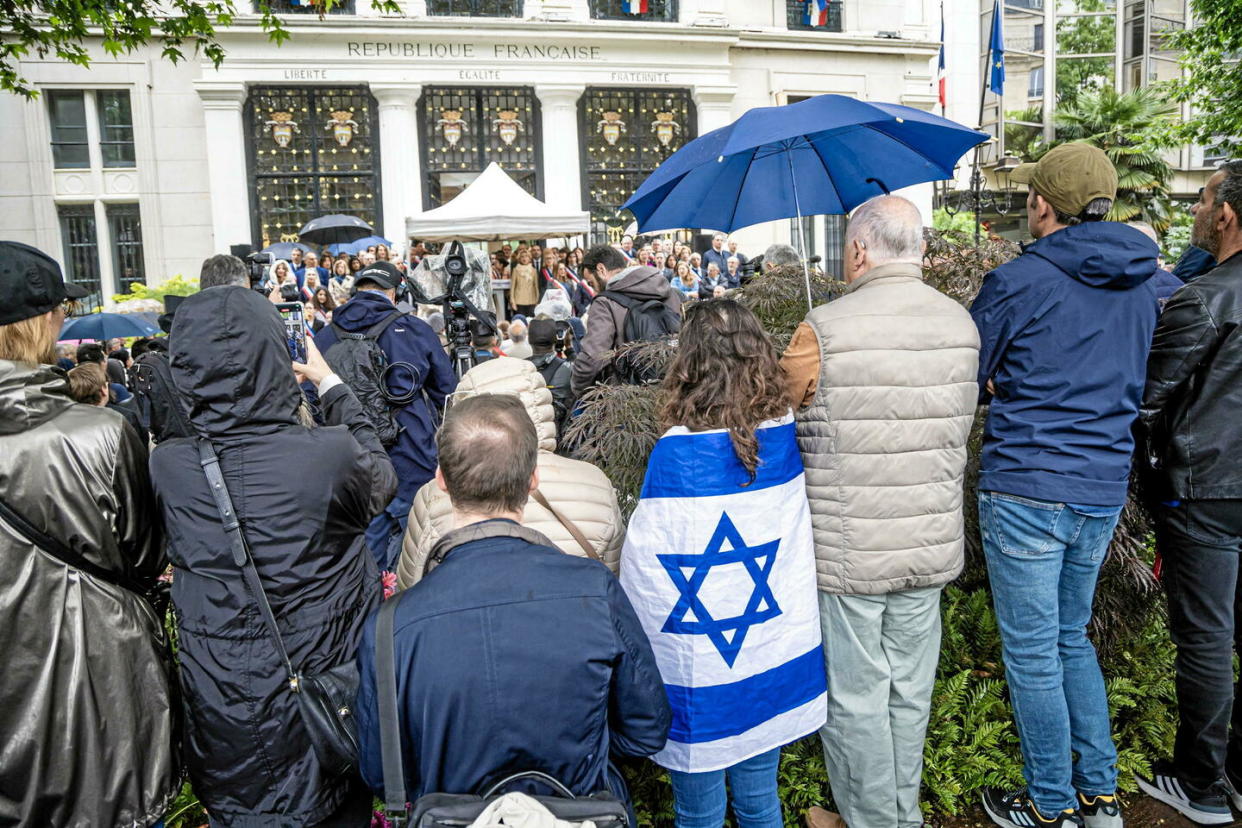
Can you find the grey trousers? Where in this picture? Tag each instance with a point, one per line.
(881, 652)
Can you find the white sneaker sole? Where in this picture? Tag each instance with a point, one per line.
(1103, 821)
(1234, 796)
(1183, 806)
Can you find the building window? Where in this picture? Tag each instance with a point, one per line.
(70, 144)
(125, 230)
(77, 232)
(68, 111)
(305, 7)
(662, 11)
(625, 135)
(116, 128)
(475, 8)
(462, 129)
(798, 12)
(312, 151)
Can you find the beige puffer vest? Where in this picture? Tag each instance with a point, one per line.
(884, 441)
(577, 490)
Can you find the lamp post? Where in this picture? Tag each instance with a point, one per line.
(977, 197)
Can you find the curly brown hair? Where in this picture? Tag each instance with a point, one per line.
(725, 375)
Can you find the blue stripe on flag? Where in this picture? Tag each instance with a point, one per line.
(703, 465)
(705, 714)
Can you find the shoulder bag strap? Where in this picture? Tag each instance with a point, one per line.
(61, 551)
(389, 720)
(241, 552)
(569, 525)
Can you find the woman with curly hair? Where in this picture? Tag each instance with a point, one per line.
(719, 563)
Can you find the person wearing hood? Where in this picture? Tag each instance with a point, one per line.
(1065, 330)
(87, 726)
(304, 497)
(574, 493)
(411, 341)
(606, 330)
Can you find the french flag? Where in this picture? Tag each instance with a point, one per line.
(940, 74)
(815, 13)
(635, 6)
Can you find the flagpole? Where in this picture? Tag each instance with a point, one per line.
(976, 182)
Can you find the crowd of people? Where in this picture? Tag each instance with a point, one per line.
(429, 544)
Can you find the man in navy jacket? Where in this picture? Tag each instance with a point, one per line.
(411, 341)
(1065, 330)
(510, 655)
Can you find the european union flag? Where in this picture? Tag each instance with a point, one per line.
(996, 52)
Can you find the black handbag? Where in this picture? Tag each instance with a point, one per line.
(325, 700)
(440, 810)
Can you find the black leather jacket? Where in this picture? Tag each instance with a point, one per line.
(1193, 397)
(87, 724)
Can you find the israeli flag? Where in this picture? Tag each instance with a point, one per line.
(722, 576)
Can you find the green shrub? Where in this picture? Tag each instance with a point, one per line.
(176, 286)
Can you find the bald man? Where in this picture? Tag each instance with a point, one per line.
(883, 439)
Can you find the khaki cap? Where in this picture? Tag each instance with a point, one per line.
(1070, 177)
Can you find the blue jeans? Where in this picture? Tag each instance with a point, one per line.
(1043, 563)
(385, 532)
(700, 802)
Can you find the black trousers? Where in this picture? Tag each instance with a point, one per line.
(1201, 543)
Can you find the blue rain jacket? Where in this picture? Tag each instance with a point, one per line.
(410, 340)
(1065, 329)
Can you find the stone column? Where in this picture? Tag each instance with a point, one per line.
(715, 106)
(226, 162)
(562, 162)
(402, 183)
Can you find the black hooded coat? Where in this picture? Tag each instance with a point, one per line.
(304, 497)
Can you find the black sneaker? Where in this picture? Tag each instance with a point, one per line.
(1210, 808)
(1016, 810)
(1100, 811)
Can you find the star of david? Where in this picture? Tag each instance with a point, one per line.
(691, 617)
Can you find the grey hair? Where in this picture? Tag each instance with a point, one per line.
(780, 254)
(221, 270)
(1229, 191)
(890, 228)
(1146, 229)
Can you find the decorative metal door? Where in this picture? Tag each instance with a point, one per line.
(462, 129)
(312, 151)
(625, 135)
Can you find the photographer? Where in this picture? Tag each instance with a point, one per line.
(427, 378)
(304, 497)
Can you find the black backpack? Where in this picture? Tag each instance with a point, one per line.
(647, 320)
(159, 404)
(360, 363)
(548, 372)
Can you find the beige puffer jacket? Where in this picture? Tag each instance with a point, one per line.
(884, 441)
(579, 491)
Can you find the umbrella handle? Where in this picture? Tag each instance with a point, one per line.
(879, 184)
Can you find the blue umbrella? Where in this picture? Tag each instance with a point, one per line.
(101, 326)
(824, 155)
(358, 246)
(283, 250)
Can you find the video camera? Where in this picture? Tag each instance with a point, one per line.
(752, 268)
(259, 269)
(462, 280)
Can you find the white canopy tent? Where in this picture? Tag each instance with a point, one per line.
(494, 207)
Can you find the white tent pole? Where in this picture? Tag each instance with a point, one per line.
(806, 268)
